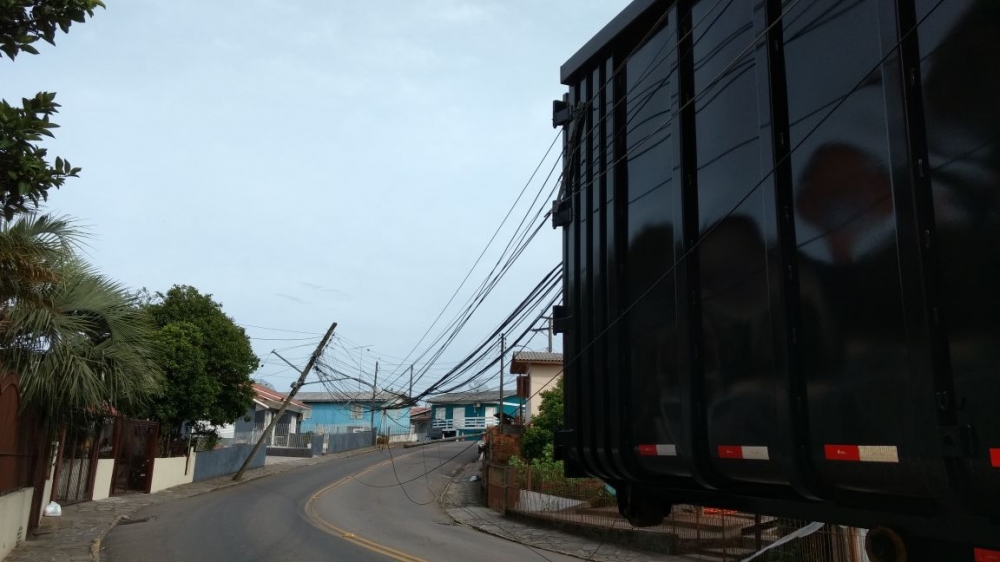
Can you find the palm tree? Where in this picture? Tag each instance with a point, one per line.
(77, 340)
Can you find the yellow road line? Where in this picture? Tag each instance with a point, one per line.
(326, 526)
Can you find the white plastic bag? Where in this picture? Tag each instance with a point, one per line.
(53, 510)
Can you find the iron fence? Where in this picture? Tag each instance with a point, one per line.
(283, 435)
(587, 505)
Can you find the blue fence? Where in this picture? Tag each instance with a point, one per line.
(219, 462)
(340, 442)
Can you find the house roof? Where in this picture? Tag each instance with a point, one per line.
(487, 396)
(344, 397)
(523, 359)
(417, 413)
(270, 398)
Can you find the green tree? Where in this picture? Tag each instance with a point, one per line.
(543, 426)
(26, 176)
(207, 359)
(75, 338)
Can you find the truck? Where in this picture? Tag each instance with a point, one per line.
(781, 265)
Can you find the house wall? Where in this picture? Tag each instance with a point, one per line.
(327, 414)
(15, 509)
(170, 472)
(102, 478)
(543, 377)
(471, 411)
(241, 426)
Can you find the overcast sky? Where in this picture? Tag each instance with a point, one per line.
(311, 161)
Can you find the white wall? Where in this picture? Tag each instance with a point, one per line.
(102, 478)
(15, 509)
(543, 377)
(169, 472)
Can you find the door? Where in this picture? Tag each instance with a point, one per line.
(135, 450)
(458, 416)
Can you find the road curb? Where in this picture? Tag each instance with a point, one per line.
(95, 544)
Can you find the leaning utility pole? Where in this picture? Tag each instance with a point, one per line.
(284, 405)
(374, 390)
(502, 350)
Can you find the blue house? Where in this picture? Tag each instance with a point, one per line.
(464, 413)
(345, 412)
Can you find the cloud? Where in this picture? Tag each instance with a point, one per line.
(323, 289)
(293, 298)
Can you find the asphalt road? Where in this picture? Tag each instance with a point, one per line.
(347, 509)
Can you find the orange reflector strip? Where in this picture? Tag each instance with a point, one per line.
(983, 555)
(861, 453)
(995, 458)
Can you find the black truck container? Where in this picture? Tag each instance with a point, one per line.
(781, 226)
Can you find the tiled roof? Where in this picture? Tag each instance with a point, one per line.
(363, 396)
(488, 396)
(524, 358)
(273, 398)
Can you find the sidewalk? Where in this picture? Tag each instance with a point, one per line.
(462, 500)
(77, 535)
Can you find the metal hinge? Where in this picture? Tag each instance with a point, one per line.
(957, 440)
(561, 317)
(562, 212)
(562, 113)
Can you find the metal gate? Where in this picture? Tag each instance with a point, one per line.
(76, 463)
(135, 449)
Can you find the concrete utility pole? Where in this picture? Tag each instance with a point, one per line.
(410, 395)
(503, 343)
(374, 390)
(284, 405)
(547, 328)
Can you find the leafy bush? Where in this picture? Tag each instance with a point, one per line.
(533, 442)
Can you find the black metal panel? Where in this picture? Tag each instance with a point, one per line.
(777, 188)
(571, 297)
(653, 218)
(741, 382)
(857, 345)
(960, 104)
(754, 259)
(602, 43)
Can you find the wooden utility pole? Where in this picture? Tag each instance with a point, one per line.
(503, 343)
(284, 405)
(374, 390)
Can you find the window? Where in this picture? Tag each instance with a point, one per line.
(357, 411)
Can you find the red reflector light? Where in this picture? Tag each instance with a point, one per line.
(842, 452)
(983, 555)
(729, 452)
(995, 458)
(647, 450)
